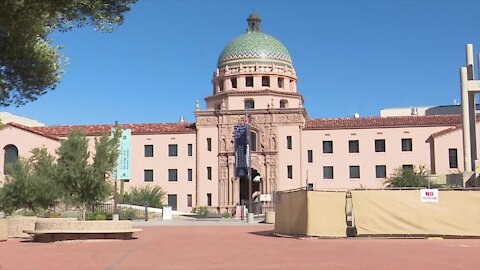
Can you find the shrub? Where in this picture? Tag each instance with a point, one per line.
(226, 215)
(201, 210)
(150, 196)
(407, 177)
(90, 216)
(96, 216)
(71, 214)
(127, 213)
(26, 213)
(54, 215)
(100, 216)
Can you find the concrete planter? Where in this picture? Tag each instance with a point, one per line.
(59, 230)
(3, 230)
(18, 224)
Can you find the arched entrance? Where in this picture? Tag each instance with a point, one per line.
(244, 186)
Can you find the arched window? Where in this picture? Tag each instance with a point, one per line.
(10, 156)
(220, 85)
(249, 104)
(283, 103)
(253, 141)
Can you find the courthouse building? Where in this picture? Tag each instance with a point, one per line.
(255, 78)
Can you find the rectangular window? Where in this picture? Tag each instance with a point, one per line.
(289, 142)
(190, 150)
(209, 199)
(190, 175)
(327, 147)
(148, 175)
(407, 167)
(249, 104)
(280, 82)
(172, 150)
(209, 144)
(290, 172)
(172, 175)
(406, 145)
(310, 156)
(172, 201)
(189, 200)
(149, 150)
(354, 172)
(381, 171)
(353, 146)
(327, 172)
(452, 158)
(234, 83)
(249, 81)
(209, 173)
(265, 81)
(380, 145)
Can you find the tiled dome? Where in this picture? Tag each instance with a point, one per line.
(254, 47)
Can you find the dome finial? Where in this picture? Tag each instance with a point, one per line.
(254, 23)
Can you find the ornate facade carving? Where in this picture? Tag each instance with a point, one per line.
(223, 167)
(207, 120)
(288, 118)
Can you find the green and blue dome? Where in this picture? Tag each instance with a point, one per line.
(254, 47)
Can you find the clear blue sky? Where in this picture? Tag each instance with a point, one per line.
(350, 56)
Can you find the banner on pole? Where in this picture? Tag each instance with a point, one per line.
(241, 135)
(123, 161)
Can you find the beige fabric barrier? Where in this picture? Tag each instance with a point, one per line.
(312, 213)
(326, 214)
(401, 212)
(291, 213)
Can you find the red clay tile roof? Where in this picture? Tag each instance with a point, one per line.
(33, 130)
(138, 129)
(384, 122)
(445, 131)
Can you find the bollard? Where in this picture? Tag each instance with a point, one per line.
(146, 213)
(250, 218)
(270, 217)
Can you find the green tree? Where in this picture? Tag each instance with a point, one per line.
(152, 197)
(29, 64)
(408, 177)
(31, 183)
(73, 171)
(84, 183)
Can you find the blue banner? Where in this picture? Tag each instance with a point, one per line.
(241, 136)
(123, 160)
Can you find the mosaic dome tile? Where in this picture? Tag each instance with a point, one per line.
(254, 47)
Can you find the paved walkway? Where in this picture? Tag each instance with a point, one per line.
(239, 247)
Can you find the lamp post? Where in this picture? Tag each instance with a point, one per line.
(116, 170)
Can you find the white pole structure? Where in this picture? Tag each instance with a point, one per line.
(471, 106)
(466, 121)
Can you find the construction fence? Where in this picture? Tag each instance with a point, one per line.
(377, 213)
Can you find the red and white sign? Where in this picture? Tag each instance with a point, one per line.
(429, 195)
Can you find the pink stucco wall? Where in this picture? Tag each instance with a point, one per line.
(25, 141)
(452, 139)
(367, 158)
(207, 159)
